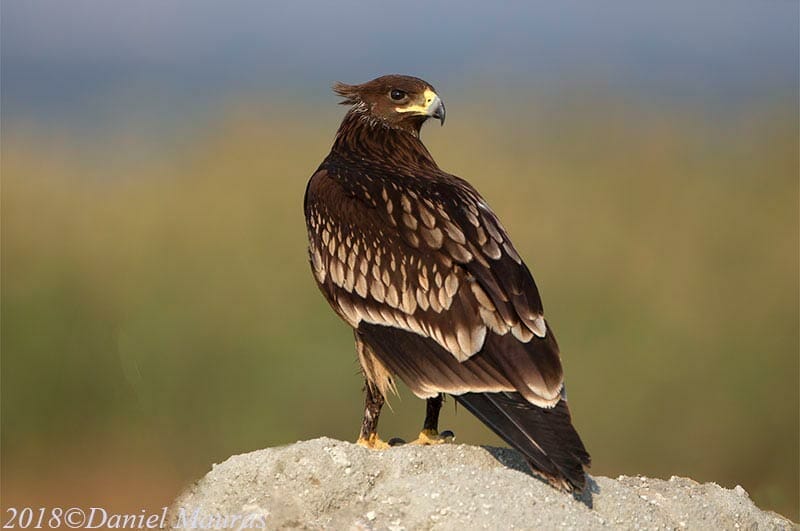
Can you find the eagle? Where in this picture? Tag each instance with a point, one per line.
(415, 261)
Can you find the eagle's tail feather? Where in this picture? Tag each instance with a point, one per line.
(545, 437)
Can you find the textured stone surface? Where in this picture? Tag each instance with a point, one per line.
(324, 483)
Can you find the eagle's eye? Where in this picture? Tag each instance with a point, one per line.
(397, 95)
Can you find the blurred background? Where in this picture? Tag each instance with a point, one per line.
(158, 312)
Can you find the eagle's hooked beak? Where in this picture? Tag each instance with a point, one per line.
(438, 110)
(432, 106)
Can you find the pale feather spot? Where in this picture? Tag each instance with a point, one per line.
(391, 297)
(458, 252)
(452, 345)
(493, 321)
(454, 232)
(492, 250)
(481, 234)
(451, 284)
(400, 320)
(410, 221)
(478, 337)
(320, 274)
(423, 278)
(388, 315)
(361, 285)
(427, 217)
(444, 299)
(482, 298)
(316, 259)
(539, 327)
(409, 302)
(349, 279)
(337, 272)
(466, 340)
(412, 238)
(377, 290)
(373, 314)
(521, 332)
(433, 299)
(437, 278)
(414, 325)
(512, 252)
(480, 258)
(493, 232)
(405, 203)
(433, 237)
(422, 300)
(352, 315)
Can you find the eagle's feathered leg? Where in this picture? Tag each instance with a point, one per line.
(373, 402)
(430, 429)
(377, 382)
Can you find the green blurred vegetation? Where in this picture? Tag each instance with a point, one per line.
(158, 313)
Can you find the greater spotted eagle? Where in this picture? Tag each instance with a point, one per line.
(415, 261)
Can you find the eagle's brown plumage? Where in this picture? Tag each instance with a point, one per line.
(417, 263)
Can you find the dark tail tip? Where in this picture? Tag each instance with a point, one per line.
(545, 437)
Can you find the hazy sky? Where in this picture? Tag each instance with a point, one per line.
(69, 60)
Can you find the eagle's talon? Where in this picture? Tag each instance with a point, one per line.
(396, 441)
(373, 442)
(428, 437)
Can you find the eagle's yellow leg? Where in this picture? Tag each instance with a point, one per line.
(373, 442)
(430, 430)
(430, 436)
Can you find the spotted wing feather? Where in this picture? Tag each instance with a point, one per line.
(431, 259)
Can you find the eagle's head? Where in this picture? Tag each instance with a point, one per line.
(400, 102)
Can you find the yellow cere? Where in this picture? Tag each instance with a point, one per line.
(431, 101)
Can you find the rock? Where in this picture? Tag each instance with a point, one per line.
(324, 483)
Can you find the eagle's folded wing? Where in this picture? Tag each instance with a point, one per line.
(436, 263)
